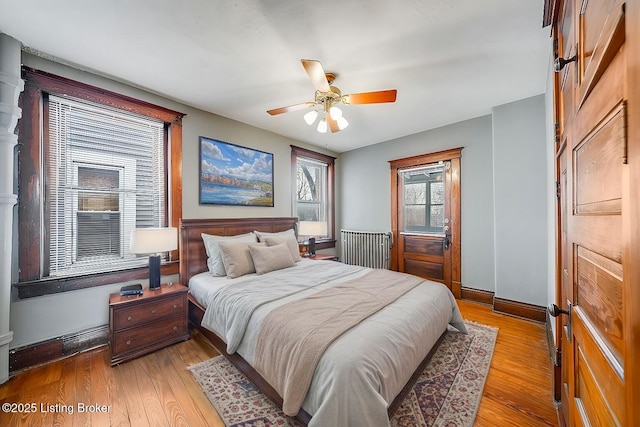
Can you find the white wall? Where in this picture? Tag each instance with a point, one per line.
(365, 199)
(41, 318)
(504, 190)
(520, 197)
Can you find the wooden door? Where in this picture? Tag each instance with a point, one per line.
(592, 104)
(565, 87)
(425, 193)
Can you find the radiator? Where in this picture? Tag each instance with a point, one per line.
(366, 248)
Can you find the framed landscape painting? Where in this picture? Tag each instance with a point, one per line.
(234, 175)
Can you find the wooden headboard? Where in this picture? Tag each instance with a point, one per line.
(193, 258)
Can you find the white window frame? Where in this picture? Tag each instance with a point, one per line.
(126, 168)
(321, 202)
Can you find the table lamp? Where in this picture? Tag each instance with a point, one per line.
(312, 229)
(152, 242)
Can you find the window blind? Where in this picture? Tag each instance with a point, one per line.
(106, 176)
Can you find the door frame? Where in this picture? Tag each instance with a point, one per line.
(452, 155)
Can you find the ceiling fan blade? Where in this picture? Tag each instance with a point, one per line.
(295, 107)
(316, 74)
(371, 97)
(333, 125)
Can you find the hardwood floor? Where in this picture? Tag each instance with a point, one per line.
(518, 391)
(158, 390)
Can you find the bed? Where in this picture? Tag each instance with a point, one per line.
(362, 374)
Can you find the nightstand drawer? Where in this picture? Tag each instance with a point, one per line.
(146, 323)
(134, 339)
(158, 309)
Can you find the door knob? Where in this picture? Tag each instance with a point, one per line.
(556, 311)
(559, 63)
(446, 243)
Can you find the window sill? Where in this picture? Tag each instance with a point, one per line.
(37, 288)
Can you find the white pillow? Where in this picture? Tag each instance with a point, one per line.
(288, 236)
(271, 258)
(214, 257)
(237, 258)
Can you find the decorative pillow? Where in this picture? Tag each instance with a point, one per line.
(288, 236)
(271, 258)
(214, 256)
(237, 258)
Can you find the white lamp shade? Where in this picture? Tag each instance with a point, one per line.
(310, 117)
(153, 240)
(335, 113)
(322, 126)
(312, 228)
(342, 123)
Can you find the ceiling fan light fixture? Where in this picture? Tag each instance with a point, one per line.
(322, 126)
(311, 117)
(327, 95)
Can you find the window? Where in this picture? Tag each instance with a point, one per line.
(98, 215)
(93, 165)
(311, 190)
(423, 195)
(102, 169)
(313, 198)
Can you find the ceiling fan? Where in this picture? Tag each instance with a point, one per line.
(327, 96)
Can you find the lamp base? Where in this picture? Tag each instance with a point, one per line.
(312, 246)
(154, 272)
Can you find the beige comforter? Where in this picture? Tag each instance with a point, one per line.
(361, 371)
(294, 336)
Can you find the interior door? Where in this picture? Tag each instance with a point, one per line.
(426, 217)
(591, 162)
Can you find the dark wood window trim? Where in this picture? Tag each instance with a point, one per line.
(330, 161)
(32, 183)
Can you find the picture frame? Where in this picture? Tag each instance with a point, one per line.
(234, 175)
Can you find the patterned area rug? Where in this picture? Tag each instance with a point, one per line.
(447, 393)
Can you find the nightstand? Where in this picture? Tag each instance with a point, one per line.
(317, 257)
(139, 325)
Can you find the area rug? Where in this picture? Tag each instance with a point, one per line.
(447, 393)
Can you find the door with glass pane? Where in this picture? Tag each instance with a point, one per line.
(426, 217)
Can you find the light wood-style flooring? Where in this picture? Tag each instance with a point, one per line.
(158, 390)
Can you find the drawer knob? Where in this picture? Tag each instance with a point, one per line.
(129, 318)
(175, 306)
(175, 328)
(153, 311)
(128, 342)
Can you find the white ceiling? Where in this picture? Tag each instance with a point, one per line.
(450, 60)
